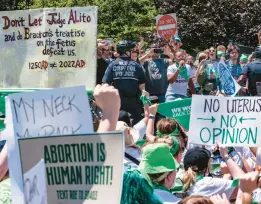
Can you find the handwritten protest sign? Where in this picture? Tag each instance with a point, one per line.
(35, 184)
(234, 121)
(63, 111)
(179, 110)
(79, 169)
(228, 84)
(48, 48)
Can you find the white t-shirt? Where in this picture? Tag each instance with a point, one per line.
(140, 128)
(180, 85)
(209, 186)
(134, 152)
(166, 197)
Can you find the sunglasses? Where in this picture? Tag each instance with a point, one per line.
(105, 49)
(212, 50)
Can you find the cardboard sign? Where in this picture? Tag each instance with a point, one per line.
(79, 169)
(167, 25)
(178, 110)
(48, 48)
(233, 121)
(53, 112)
(35, 185)
(228, 84)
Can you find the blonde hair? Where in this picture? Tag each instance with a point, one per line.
(196, 200)
(188, 179)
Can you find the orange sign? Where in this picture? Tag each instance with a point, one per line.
(166, 25)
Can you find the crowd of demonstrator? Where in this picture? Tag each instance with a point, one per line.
(160, 166)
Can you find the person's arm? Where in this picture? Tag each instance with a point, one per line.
(146, 109)
(173, 75)
(108, 76)
(3, 162)
(253, 150)
(108, 99)
(169, 54)
(143, 58)
(233, 168)
(150, 127)
(243, 76)
(248, 183)
(191, 86)
(200, 68)
(259, 37)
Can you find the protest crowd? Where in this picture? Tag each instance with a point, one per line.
(160, 164)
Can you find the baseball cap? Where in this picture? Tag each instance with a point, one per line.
(157, 158)
(130, 134)
(197, 158)
(125, 117)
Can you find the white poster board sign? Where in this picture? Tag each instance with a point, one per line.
(63, 111)
(48, 48)
(80, 169)
(35, 185)
(232, 121)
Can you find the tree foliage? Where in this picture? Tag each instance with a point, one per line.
(203, 23)
(128, 19)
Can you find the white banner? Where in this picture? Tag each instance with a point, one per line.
(48, 48)
(82, 169)
(63, 111)
(233, 121)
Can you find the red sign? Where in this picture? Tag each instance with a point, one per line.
(167, 26)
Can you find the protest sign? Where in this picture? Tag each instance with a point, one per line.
(48, 48)
(63, 111)
(179, 110)
(228, 84)
(233, 121)
(79, 169)
(167, 25)
(35, 184)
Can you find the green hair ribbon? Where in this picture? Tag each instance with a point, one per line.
(145, 100)
(173, 134)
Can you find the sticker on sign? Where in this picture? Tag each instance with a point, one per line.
(231, 121)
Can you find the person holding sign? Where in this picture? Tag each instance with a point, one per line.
(179, 79)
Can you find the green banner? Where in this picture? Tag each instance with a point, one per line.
(179, 110)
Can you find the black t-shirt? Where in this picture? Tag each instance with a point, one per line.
(101, 68)
(126, 76)
(253, 73)
(156, 75)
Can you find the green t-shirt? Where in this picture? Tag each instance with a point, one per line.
(5, 192)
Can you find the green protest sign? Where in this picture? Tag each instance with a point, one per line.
(179, 110)
(79, 169)
(232, 121)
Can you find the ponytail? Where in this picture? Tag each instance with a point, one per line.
(188, 179)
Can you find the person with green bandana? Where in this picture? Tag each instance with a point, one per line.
(159, 164)
(179, 79)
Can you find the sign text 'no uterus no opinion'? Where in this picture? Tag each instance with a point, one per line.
(233, 121)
